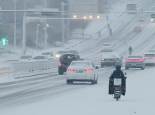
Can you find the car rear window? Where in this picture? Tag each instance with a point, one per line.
(72, 51)
(69, 57)
(149, 55)
(151, 50)
(135, 57)
(25, 57)
(47, 53)
(106, 45)
(39, 57)
(80, 63)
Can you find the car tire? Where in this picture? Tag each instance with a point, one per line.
(69, 82)
(126, 68)
(142, 68)
(93, 81)
(96, 81)
(102, 66)
(61, 72)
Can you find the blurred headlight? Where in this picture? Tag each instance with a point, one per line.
(102, 59)
(57, 56)
(151, 19)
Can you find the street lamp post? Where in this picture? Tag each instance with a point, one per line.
(25, 5)
(62, 4)
(15, 4)
(24, 33)
(37, 35)
(45, 27)
(68, 21)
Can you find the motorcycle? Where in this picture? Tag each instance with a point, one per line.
(116, 88)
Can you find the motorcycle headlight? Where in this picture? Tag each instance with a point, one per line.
(151, 19)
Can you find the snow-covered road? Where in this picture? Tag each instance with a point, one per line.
(86, 99)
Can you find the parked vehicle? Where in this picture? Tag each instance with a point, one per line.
(106, 47)
(25, 58)
(137, 29)
(48, 53)
(41, 58)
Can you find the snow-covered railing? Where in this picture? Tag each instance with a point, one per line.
(33, 68)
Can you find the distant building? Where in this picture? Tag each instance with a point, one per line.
(83, 6)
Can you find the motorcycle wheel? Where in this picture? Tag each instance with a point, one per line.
(117, 99)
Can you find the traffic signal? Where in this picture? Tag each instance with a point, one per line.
(4, 42)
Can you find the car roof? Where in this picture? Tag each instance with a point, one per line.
(135, 56)
(26, 55)
(72, 50)
(39, 55)
(149, 53)
(151, 50)
(106, 43)
(47, 52)
(69, 53)
(82, 61)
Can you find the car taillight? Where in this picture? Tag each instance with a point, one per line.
(117, 88)
(153, 58)
(127, 60)
(141, 60)
(60, 64)
(70, 69)
(89, 69)
(102, 59)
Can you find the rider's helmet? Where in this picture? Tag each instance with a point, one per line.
(118, 67)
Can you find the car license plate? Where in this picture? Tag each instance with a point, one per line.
(79, 71)
(134, 64)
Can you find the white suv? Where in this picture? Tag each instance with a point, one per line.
(106, 47)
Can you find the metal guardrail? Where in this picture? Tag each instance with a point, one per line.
(33, 68)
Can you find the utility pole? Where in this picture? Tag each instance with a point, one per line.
(25, 5)
(45, 28)
(24, 33)
(68, 21)
(62, 4)
(15, 3)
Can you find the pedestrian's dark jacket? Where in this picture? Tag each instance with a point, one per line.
(130, 48)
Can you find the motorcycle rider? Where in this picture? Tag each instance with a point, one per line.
(118, 73)
(130, 50)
